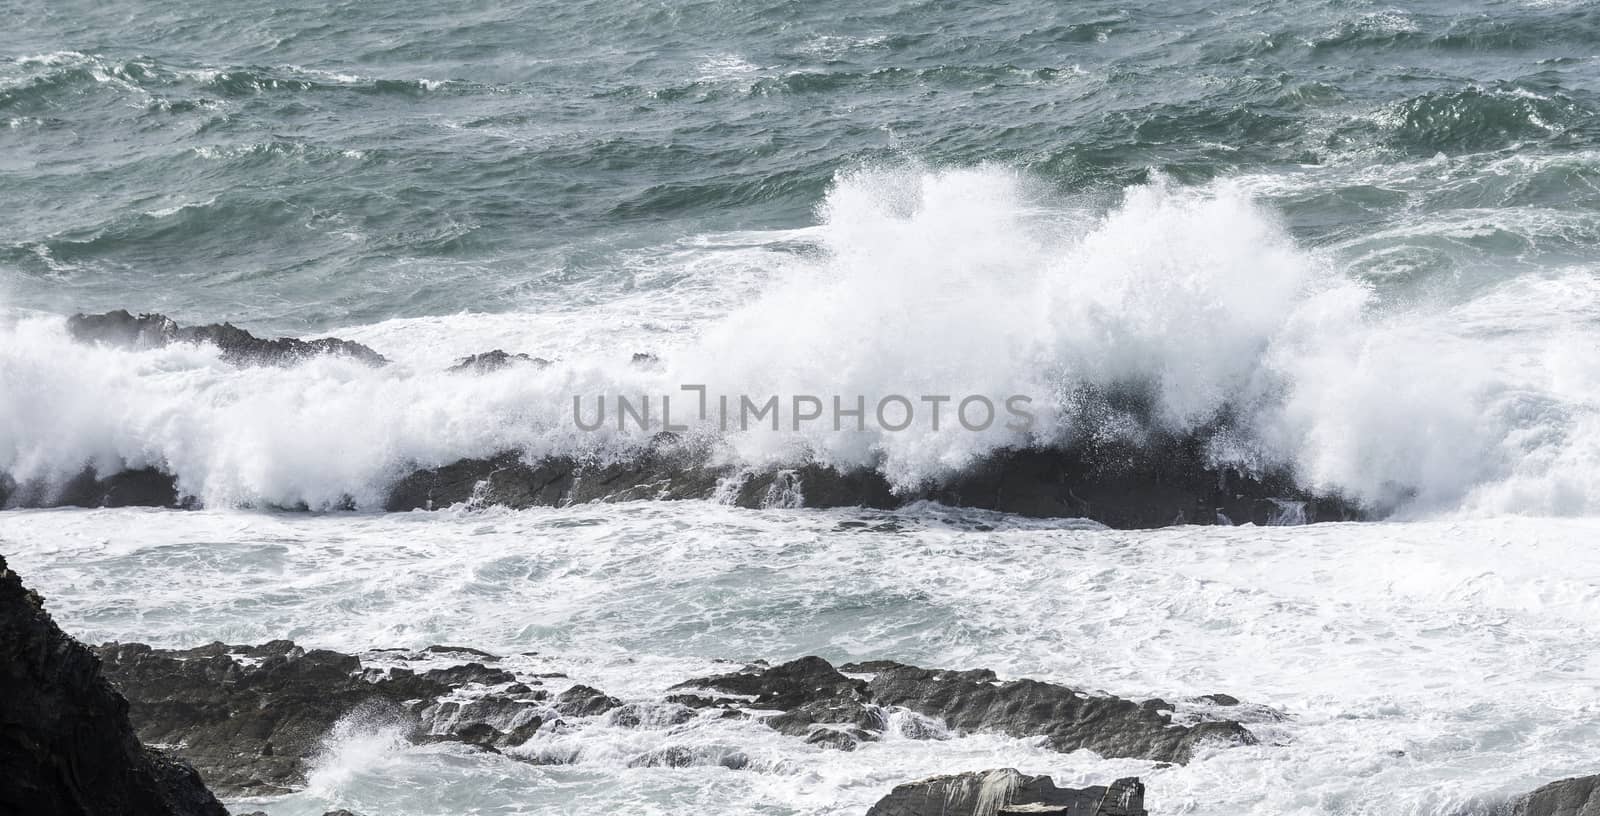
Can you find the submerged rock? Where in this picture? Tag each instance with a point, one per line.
(66, 745)
(830, 708)
(121, 329)
(1579, 796)
(1006, 792)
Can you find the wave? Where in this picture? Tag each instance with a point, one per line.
(39, 83)
(1176, 312)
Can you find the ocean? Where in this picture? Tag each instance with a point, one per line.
(1365, 238)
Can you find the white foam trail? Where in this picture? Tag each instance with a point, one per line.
(917, 282)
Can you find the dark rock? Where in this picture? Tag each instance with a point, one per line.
(809, 692)
(470, 673)
(583, 701)
(484, 721)
(1134, 489)
(650, 715)
(828, 708)
(973, 701)
(871, 666)
(495, 361)
(238, 346)
(461, 650)
(66, 746)
(839, 739)
(249, 728)
(521, 733)
(1221, 699)
(1579, 796)
(145, 487)
(678, 756)
(251, 716)
(785, 686)
(508, 481)
(1141, 479)
(1006, 792)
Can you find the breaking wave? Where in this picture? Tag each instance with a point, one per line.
(1180, 311)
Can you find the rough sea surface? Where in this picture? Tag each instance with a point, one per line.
(1368, 236)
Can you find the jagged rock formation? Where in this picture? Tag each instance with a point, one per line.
(238, 346)
(1579, 796)
(1005, 792)
(66, 746)
(828, 707)
(975, 701)
(250, 717)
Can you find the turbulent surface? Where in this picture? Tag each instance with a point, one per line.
(1349, 241)
(1425, 668)
(1339, 240)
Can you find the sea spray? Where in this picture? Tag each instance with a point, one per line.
(1176, 311)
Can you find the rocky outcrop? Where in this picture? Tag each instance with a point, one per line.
(66, 745)
(494, 361)
(238, 346)
(1155, 481)
(664, 472)
(1579, 796)
(827, 707)
(1005, 792)
(145, 487)
(976, 701)
(251, 717)
(1043, 484)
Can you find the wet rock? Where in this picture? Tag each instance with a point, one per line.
(1006, 792)
(461, 650)
(496, 360)
(507, 480)
(521, 734)
(470, 673)
(583, 701)
(809, 692)
(66, 745)
(250, 717)
(650, 715)
(485, 720)
(1135, 480)
(828, 708)
(975, 701)
(121, 329)
(145, 487)
(871, 666)
(839, 739)
(1579, 796)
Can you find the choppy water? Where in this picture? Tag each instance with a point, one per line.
(1367, 236)
(1425, 668)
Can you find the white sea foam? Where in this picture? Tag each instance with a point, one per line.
(915, 282)
(1424, 668)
